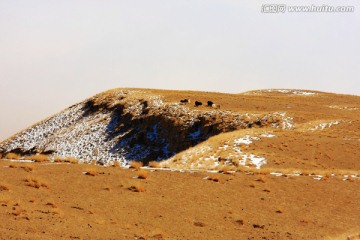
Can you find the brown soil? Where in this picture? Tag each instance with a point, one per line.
(173, 205)
(79, 201)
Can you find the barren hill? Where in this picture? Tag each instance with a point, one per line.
(267, 164)
(308, 129)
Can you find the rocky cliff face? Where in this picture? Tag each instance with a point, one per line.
(124, 125)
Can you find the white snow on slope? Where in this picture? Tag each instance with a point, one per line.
(288, 91)
(283, 91)
(345, 108)
(246, 159)
(323, 125)
(288, 122)
(86, 135)
(267, 135)
(206, 157)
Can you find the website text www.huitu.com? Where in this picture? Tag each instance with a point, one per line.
(283, 8)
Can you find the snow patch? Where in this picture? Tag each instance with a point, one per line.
(278, 174)
(257, 161)
(245, 140)
(21, 161)
(345, 108)
(284, 91)
(324, 125)
(244, 158)
(267, 135)
(289, 91)
(288, 122)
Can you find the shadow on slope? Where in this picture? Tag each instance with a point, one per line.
(146, 133)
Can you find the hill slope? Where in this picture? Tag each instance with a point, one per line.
(295, 152)
(262, 127)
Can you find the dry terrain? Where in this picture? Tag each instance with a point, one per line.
(174, 205)
(270, 164)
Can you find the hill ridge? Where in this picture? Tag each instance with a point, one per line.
(123, 125)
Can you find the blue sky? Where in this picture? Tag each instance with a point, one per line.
(56, 53)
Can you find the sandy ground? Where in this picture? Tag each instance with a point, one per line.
(174, 205)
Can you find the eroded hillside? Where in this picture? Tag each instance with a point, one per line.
(267, 164)
(145, 125)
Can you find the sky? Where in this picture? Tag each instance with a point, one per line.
(56, 53)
